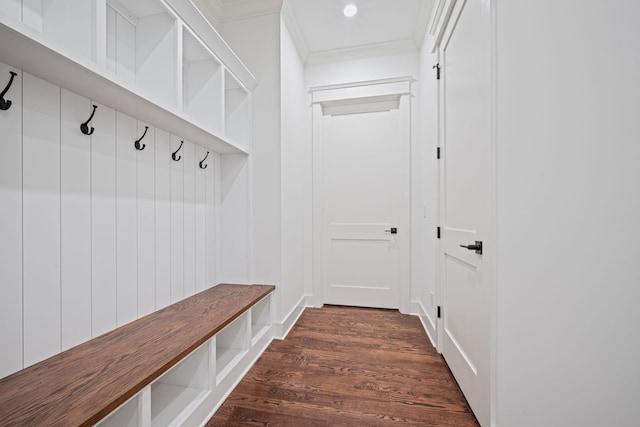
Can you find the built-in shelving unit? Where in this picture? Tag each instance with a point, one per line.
(140, 57)
(154, 65)
(188, 392)
(175, 396)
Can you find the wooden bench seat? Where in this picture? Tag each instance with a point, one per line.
(84, 384)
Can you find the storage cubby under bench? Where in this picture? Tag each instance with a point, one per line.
(153, 371)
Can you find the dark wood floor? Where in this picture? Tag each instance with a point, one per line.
(345, 366)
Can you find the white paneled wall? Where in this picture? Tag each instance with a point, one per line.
(41, 231)
(103, 222)
(95, 233)
(163, 218)
(177, 221)
(11, 227)
(75, 220)
(146, 221)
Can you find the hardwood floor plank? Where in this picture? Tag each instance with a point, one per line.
(347, 366)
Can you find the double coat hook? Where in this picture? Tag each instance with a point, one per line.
(84, 127)
(6, 103)
(137, 142)
(174, 155)
(202, 161)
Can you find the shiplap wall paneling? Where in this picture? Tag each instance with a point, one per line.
(41, 219)
(12, 8)
(126, 219)
(11, 225)
(177, 221)
(214, 222)
(163, 217)
(189, 220)
(201, 219)
(146, 222)
(75, 216)
(103, 221)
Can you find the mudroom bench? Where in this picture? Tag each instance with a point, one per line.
(172, 367)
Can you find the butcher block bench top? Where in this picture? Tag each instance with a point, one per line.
(82, 385)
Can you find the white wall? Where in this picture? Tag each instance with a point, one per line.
(425, 190)
(380, 67)
(257, 42)
(568, 155)
(296, 176)
(279, 210)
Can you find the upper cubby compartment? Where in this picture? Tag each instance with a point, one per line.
(237, 110)
(141, 46)
(201, 83)
(66, 23)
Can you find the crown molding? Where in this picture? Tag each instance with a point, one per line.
(364, 51)
(289, 19)
(424, 18)
(234, 10)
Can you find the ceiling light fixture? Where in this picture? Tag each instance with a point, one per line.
(350, 10)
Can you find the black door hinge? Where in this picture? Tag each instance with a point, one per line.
(438, 153)
(438, 232)
(439, 312)
(437, 67)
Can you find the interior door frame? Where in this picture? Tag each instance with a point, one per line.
(442, 28)
(345, 96)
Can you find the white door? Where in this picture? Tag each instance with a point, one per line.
(465, 201)
(365, 221)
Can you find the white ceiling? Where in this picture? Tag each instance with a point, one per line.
(323, 26)
(320, 30)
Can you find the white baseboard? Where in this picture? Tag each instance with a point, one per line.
(314, 301)
(281, 329)
(417, 309)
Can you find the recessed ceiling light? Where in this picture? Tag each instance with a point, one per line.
(350, 10)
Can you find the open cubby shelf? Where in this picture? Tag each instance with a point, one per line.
(141, 46)
(231, 345)
(127, 415)
(202, 95)
(260, 318)
(177, 392)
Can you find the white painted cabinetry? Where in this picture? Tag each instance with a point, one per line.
(104, 227)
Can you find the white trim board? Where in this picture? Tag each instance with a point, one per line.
(417, 309)
(282, 329)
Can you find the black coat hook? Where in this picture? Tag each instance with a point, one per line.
(137, 142)
(173, 155)
(6, 103)
(202, 161)
(84, 127)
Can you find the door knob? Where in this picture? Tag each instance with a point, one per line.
(393, 230)
(476, 247)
